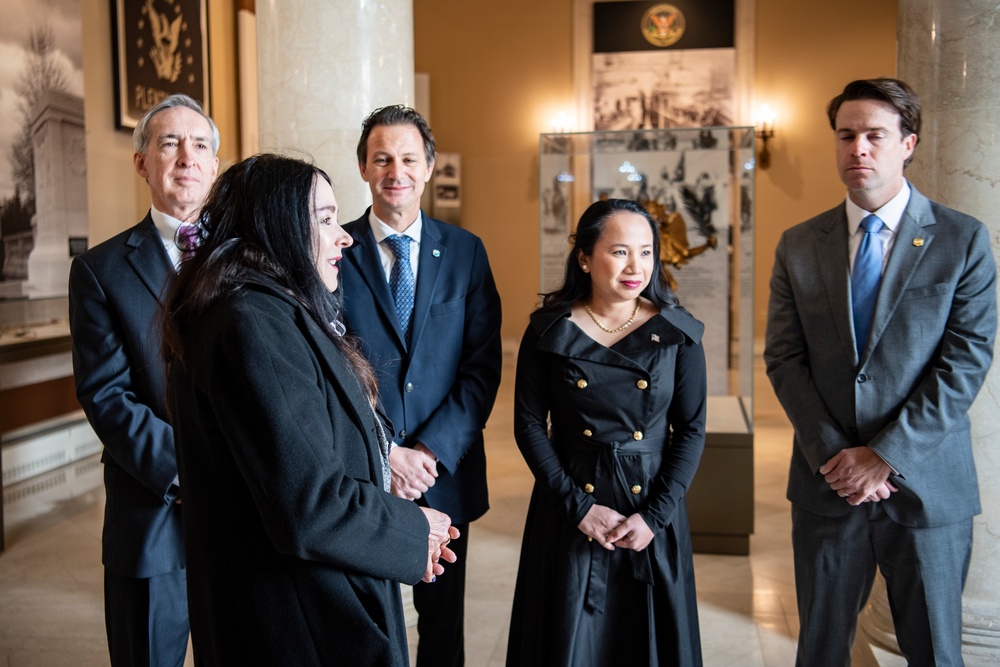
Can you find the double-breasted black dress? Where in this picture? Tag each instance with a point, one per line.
(624, 427)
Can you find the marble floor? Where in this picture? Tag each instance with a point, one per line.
(51, 605)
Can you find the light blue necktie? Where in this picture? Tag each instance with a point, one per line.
(401, 281)
(865, 279)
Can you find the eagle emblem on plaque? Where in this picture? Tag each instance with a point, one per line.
(663, 25)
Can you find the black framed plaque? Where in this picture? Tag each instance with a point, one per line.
(160, 48)
(642, 25)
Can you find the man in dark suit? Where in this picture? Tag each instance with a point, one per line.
(114, 292)
(430, 326)
(880, 332)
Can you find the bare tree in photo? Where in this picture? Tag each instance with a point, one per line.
(40, 73)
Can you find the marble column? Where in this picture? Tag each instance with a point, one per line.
(949, 51)
(322, 68)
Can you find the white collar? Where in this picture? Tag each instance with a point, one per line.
(890, 213)
(382, 230)
(166, 225)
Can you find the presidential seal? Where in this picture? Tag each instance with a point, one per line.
(663, 25)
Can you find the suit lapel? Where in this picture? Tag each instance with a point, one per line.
(831, 256)
(903, 262)
(368, 266)
(432, 257)
(148, 258)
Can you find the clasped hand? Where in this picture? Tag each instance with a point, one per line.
(414, 471)
(441, 533)
(858, 475)
(612, 529)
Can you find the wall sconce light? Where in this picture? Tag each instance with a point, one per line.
(764, 124)
(561, 123)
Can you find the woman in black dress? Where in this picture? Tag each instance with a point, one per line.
(610, 417)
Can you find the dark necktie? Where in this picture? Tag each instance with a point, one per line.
(401, 281)
(865, 279)
(187, 241)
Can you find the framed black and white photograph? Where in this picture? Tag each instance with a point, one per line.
(447, 180)
(43, 169)
(161, 48)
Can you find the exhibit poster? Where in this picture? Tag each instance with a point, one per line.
(43, 170)
(661, 66)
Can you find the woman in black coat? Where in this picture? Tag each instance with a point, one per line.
(610, 417)
(294, 546)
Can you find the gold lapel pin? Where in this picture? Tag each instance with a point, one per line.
(917, 243)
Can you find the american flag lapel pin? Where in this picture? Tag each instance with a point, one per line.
(655, 338)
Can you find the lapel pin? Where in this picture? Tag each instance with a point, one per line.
(918, 243)
(436, 252)
(655, 338)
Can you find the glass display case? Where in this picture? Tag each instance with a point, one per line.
(698, 184)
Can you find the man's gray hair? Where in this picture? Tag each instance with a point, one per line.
(140, 137)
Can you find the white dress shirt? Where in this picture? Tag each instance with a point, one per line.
(382, 230)
(167, 227)
(890, 215)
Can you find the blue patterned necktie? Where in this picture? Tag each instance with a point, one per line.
(401, 281)
(865, 279)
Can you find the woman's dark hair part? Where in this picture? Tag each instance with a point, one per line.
(893, 92)
(256, 228)
(576, 285)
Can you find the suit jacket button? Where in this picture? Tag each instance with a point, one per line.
(636, 489)
(642, 384)
(637, 435)
(587, 432)
(402, 434)
(588, 488)
(409, 387)
(582, 384)
(862, 378)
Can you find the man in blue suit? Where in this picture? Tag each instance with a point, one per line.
(879, 336)
(430, 326)
(114, 291)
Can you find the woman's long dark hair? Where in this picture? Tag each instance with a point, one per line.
(576, 285)
(256, 228)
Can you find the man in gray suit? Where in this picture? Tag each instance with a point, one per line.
(879, 335)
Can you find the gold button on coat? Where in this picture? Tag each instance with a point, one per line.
(588, 488)
(642, 384)
(637, 435)
(636, 489)
(582, 384)
(587, 432)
